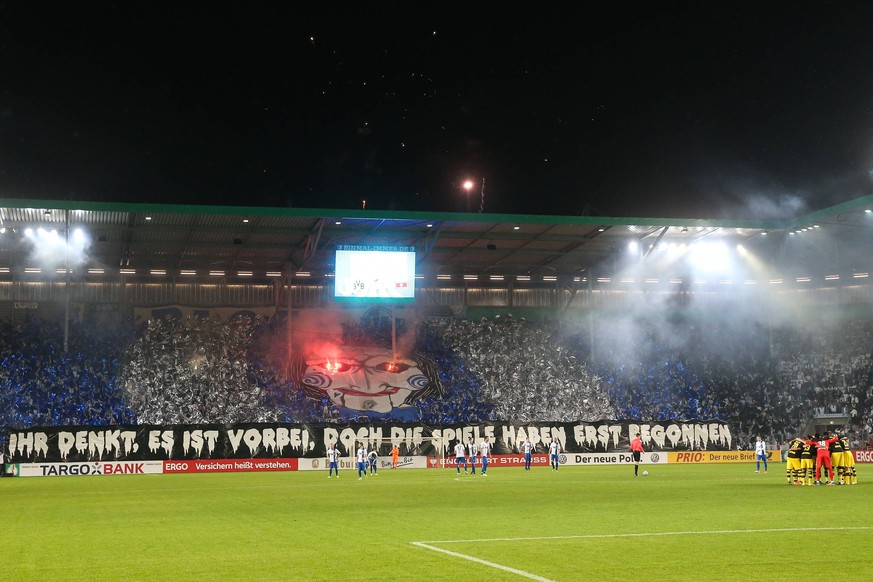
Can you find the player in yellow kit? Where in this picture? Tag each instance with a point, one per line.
(792, 461)
(850, 477)
(807, 462)
(836, 451)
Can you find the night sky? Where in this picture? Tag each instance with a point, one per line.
(662, 109)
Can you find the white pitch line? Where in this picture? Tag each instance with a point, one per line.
(645, 534)
(483, 562)
(524, 574)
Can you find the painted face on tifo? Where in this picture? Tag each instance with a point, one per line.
(365, 379)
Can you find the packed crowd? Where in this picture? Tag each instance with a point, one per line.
(759, 383)
(521, 372)
(208, 370)
(43, 385)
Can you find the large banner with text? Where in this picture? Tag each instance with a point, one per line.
(285, 440)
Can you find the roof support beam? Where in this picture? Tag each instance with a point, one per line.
(657, 240)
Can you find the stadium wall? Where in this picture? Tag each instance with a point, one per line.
(49, 297)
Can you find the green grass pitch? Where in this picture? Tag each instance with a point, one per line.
(681, 522)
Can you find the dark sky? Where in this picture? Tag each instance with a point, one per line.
(662, 109)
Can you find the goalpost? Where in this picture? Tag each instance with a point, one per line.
(432, 448)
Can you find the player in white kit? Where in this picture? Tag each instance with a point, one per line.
(333, 456)
(460, 457)
(485, 452)
(527, 449)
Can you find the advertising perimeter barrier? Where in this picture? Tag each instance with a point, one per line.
(773, 456)
(538, 460)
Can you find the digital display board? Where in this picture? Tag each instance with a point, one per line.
(374, 273)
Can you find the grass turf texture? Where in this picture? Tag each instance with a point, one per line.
(303, 526)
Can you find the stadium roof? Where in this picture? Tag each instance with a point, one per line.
(139, 239)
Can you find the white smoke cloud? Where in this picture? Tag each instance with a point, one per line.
(51, 249)
(775, 205)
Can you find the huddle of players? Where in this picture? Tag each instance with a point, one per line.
(807, 455)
